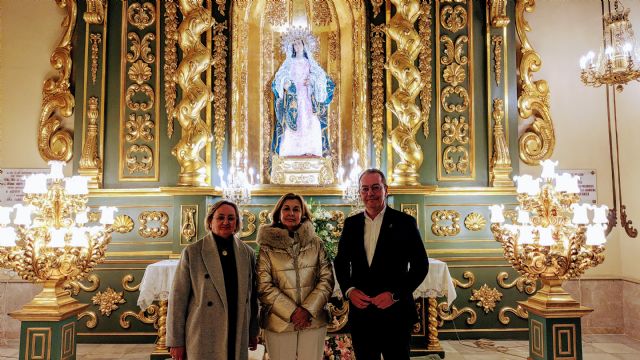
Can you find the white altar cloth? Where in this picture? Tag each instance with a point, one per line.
(157, 282)
(437, 283)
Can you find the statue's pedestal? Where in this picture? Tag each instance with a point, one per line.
(301, 170)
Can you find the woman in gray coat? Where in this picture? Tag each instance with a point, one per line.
(213, 305)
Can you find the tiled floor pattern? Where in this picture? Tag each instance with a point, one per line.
(595, 347)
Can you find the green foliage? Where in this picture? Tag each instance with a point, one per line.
(325, 223)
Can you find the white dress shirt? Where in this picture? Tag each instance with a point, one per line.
(371, 233)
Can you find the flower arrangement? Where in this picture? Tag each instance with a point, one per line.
(338, 347)
(327, 226)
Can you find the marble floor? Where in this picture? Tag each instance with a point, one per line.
(595, 347)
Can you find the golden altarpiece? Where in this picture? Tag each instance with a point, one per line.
(171, 96)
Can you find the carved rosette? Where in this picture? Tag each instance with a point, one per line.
(538, 140)
(475, 222)
(195, 93)
(377, 89)
(486, 297)
(55, 142)
(402, 102)
(108, 301)
(455, 90)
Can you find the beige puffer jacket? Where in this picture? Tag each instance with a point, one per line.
(292, 272)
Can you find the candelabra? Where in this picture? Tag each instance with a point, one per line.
(351, 185)
(55, 246)
(617, 63)
(551, 239)
(239, 183)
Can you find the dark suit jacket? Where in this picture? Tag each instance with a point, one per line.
(399, 262)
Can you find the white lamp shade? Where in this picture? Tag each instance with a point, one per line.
(563, 182)
(496, 213)
(56, 169)
(76, 185)
(7, 236)
(574, 185)
(5, 213)
(580, 213)
(35, 184)
(546, 236)
(107, 214)
(82, 218)
(523, 217)
(23, 215)
(526, 234)
(57, 237)
(79, 237)
(548, 169)
(595, 235)
(600, 214)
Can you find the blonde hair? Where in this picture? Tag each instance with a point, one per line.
(216, 206)
(275, 214)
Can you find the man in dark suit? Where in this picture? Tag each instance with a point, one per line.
(381, 260)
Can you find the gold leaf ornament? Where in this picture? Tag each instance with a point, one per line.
(108, 301)
(123, 224)
(475, 222)
(141, 15)
(486, 297)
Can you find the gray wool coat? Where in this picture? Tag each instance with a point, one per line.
(197, 317)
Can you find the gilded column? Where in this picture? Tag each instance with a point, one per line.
(195, 94)
(402, 101)
(55, 142)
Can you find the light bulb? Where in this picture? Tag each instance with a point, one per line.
(546, 236)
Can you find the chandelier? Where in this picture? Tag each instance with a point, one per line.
(49, 241)
(550, 237)
(238, 184)
(618, 61)
(350, 185)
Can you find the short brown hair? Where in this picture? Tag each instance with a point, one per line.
(216, 206)
(373, 171)
(275, 214)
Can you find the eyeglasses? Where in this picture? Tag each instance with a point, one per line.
(374, 188)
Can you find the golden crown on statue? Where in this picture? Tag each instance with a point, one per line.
(296, 33)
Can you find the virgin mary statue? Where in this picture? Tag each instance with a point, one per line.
(302, 93)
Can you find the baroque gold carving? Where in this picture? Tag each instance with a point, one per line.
(93, 319)
(449, 315)
(376, 6)
(148, 316)
(141, 48)
(452, 18)
(410, 209)
(454, 52)
(500, 164)
(486, 297)
(139, 127)
(139, 72)
(522, 283)
(126, 281)
(467, 275)
(89, 159)
(249, 225)
(519, 311)
(196, 94)
(137, 88)
(153, 232)
(264, 217)
(455, 129)
(402, 102)
(95, 39)
(496, 41)
(475, 221)
(339, 316)
(498, 13)
(170, 61)
(141, 16)
(461, 92)
(220, 50)
(188, 223)
(123, 224)
(445, 215)
(141, 162)
(108, 301)
(55, 142)
(75, 286)
(276, 12)
(538, 140)
(95, 11)
(448, 162)
(426, 56)
(221, 6)
(321, 13)
(377, 89)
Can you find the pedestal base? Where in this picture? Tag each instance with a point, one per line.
(301, 170)
(54, 340)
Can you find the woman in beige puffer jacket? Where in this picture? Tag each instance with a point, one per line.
(295, 281)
